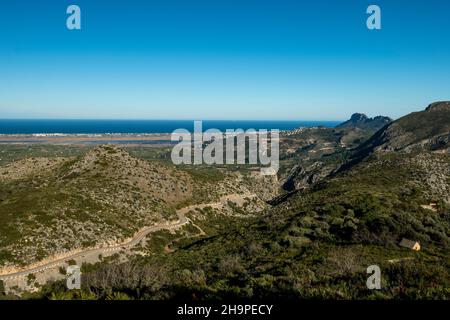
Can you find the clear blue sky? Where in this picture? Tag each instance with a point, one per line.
(222, 59)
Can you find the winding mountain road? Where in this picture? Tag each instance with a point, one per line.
(182, 220)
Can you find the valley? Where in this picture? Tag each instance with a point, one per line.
(143, 228)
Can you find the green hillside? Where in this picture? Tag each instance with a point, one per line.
(317, 244)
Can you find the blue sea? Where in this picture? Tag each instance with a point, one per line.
(15, 126)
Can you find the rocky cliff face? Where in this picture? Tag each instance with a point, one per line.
(425, 130)
(302, 177)
(428, 130)
(319, 152)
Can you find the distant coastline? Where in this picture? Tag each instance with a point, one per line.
(62, 128)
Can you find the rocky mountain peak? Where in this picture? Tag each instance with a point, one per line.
(357, 117)
(360, 120)
(439, 106)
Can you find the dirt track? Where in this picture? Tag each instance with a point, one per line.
(182, 220)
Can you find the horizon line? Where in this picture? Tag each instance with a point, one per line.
(149, 119)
